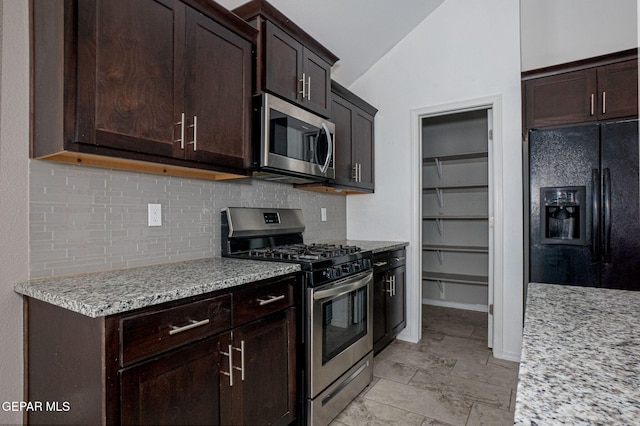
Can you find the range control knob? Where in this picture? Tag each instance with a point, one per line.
(347, 268)
(337, 272)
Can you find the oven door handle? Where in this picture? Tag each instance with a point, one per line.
(346, 286)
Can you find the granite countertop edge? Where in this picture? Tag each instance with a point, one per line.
(375, 246)
(100, 294)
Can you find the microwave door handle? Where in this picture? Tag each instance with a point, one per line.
(325, 167)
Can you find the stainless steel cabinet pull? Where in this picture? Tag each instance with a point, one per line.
(270, 299)
(303, 92)
(604, 102)
(309, 88)
(593, 104)
(394, 286)
(181, 124)
(398, 259)
(378, 264)
(194, 324)
(241, 368)
(194, 142)
(230, 373)
(357, 172)
(390, 289)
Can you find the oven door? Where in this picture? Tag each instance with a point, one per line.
(340, 327)
(296, 141)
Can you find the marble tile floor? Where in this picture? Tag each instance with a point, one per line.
(448, 378)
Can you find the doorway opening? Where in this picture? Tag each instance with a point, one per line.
(456, 211)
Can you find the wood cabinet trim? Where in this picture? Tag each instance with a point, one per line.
(581, 64)
(228, 19)
(255, 8)
(351, 97)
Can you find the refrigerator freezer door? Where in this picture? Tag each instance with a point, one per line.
(621, 218)
(563, 157)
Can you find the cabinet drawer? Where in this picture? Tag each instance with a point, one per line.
(381, 261)
(148, 334)
(397, 258)
(251, 304)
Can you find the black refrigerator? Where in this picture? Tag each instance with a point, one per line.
(584, 221)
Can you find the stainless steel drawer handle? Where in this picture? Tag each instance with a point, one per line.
(378, 264)
(398, 259)
(270, 299)
(194, 324)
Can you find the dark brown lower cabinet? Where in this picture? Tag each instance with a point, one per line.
(389, 297)
(221, 358)
(264, 391)
(178, 388)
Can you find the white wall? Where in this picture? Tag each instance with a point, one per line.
(463, 51)
(554, 32)
(14, 192)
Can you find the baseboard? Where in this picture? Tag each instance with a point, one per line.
(455, 305)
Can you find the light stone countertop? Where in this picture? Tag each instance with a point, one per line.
(374, 246)
(580, 361)
(112, 292)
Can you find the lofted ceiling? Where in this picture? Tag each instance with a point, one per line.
(359, 32)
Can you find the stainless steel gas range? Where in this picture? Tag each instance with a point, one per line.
(336, 304)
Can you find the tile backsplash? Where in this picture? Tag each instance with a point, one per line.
(86, 219)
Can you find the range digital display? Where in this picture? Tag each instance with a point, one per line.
(271, 218)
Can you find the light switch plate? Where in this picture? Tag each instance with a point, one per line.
(155, 215)
(323, 214)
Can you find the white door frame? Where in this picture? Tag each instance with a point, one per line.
(496, 235)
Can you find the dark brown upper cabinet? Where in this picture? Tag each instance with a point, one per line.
(354, 140)
(289, 62)
(152, 85)
(354, 145)
(597, 89)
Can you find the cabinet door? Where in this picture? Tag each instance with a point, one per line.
(317, 74)
(397, 302)
(283, 64)
(362, 148)
(218, 93)
(618, 90)
(565, 98)
(342, 117)
(354, 144)
(129, 80)
(178, 388)
(264, 390)
(380, 317)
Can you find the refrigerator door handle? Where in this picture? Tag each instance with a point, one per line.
(606, 192)
(595, 215)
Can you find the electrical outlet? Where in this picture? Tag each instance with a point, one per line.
(323, 214)
(155, 215)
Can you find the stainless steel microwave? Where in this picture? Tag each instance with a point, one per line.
(296, 146)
